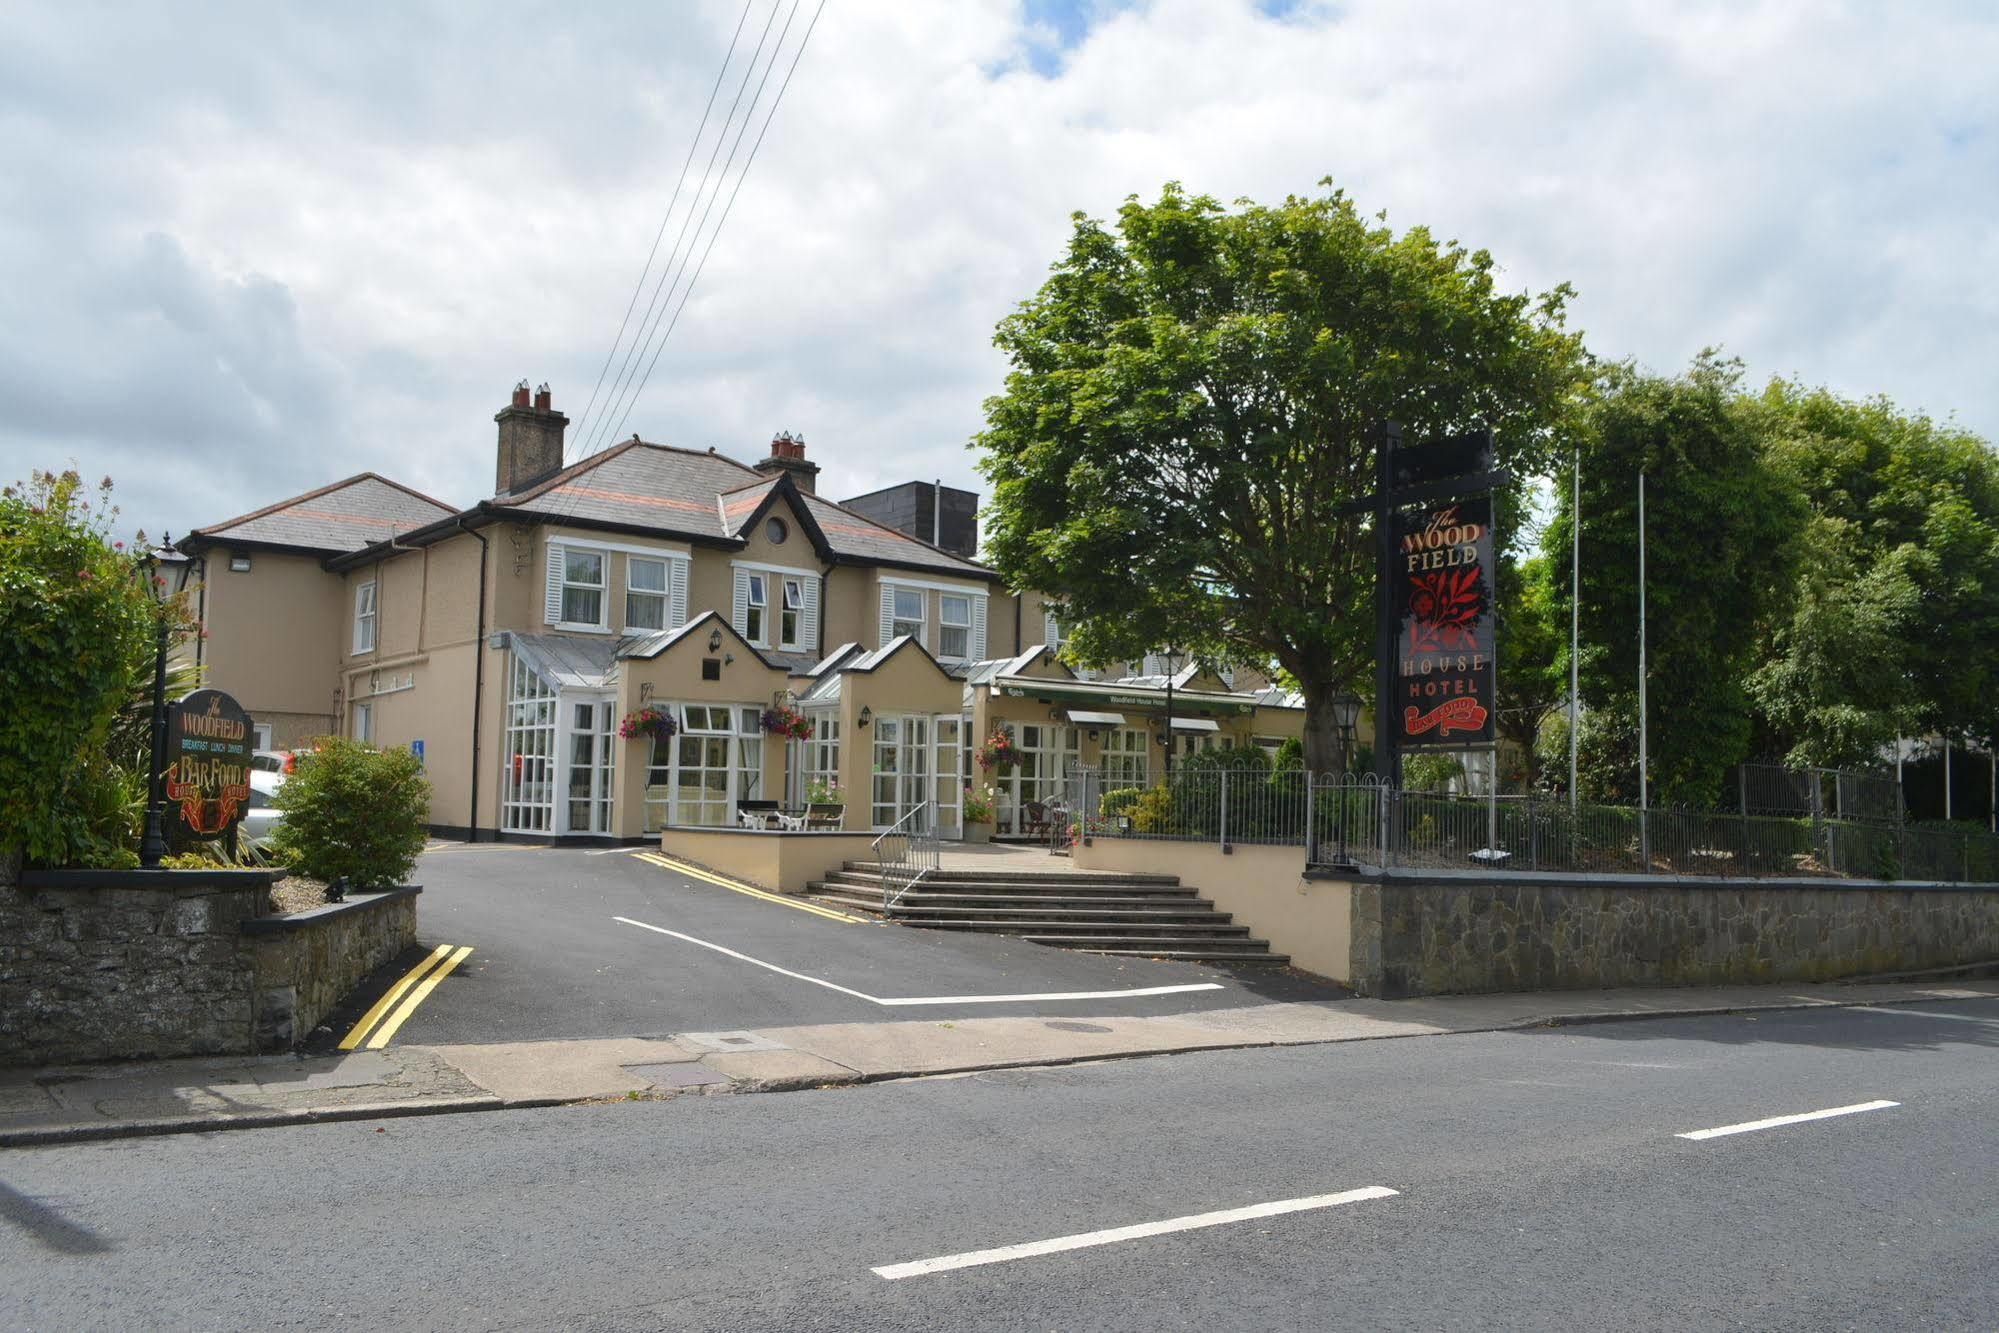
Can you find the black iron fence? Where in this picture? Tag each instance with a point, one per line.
(1359, 820)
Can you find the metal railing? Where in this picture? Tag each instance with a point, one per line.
(1347, 820)
(908, 851)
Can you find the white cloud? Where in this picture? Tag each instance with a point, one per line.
(306, 243)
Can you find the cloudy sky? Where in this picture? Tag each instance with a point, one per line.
(248, 249)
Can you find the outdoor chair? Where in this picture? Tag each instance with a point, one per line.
(756, 814)
(826, 816)
(1033, 817)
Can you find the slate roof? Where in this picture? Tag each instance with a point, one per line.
(346, 516)
(703, 494)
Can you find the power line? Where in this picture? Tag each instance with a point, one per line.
(726, 208)
(666, 217)
(648, 321)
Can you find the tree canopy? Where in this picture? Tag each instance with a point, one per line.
(1194, 395)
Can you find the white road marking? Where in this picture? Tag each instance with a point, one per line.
(929, 999)
(1777, 1120)
(1922, 1013)
(1086, 1239)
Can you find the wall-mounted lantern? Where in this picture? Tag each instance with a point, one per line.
(867, 716)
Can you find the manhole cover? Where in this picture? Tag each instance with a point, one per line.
(729, 1041)
(1065, 1025)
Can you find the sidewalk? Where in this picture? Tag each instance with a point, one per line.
(182, 1096)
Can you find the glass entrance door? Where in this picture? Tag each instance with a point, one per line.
(948, 779)
(901, 766)
(588, 754)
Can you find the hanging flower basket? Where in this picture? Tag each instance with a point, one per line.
(999, 751)
(653, 722)
(789, 722)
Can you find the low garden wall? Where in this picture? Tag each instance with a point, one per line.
(105, 965)
(1406, 933)
(780, 862)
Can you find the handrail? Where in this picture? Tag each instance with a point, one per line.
(916, 853)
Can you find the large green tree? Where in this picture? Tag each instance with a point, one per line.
(1722, 528)
(1194, 397)
(1892, 624)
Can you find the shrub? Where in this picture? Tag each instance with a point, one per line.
(355, 811)
(76, 631)
(1152, 812)
(1118, 800)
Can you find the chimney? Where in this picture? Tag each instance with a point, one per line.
(787, 454)
(530, 440)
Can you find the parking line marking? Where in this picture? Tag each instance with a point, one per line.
(1922, 1013)
(1776, 1121)
(1084, 1240)
(747, 890)
(416, 997)
(1134, 993)
(390, 996)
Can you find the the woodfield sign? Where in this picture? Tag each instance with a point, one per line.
(1444, 615)
(209, 743)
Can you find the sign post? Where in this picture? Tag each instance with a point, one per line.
(1435, 672)
(209, 739)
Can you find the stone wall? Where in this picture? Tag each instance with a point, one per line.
(1427, 935)
(306, 962)
(125, 964)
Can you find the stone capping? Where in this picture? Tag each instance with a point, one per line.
(1626, 880)
(287, 922)
(151, 879)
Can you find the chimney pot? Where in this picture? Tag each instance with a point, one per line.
(542, 399)
(521, 394)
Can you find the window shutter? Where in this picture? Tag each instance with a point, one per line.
(740, 615)
(888, 616)
(808, 620)
(676, 610)
(552, 598)
(1051, 633)
(978, 635)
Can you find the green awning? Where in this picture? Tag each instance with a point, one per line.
(1076, 692)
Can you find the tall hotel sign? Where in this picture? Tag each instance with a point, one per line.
(1435, 676)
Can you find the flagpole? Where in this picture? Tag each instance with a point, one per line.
(1644, 786)
(1575, 613)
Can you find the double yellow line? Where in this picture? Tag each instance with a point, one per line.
(734, 886)
(404, 997)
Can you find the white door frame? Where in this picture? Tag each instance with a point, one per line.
(599, 799)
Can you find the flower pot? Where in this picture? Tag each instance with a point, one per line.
(981, 832)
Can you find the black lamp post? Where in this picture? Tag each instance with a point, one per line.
(153, 845)
(1346, 714)
(1170, 658)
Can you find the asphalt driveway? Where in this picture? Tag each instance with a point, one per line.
(572, 943)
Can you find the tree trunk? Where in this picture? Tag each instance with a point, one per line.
(1322, 732)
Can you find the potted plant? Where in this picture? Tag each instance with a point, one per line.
(999, 751)
(650, 721)
(979, 814)
(788, 722)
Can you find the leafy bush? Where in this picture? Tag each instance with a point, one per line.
(1291, 754)
(76, 637)
(355, 811)
(1118, 800)
(1234, 758)
(1152, 812)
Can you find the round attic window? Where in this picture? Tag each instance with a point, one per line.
(775, 530)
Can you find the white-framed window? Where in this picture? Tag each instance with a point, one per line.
(791, 617)
(717, 760)
(822, 752)
(527, 773)
(361, 723)
(756, 610)
(907, 617)
(364, 617)
(263, 730)
(239, 562)
(646, 589)
(954, 628)
(1126, 758)
(582, 588)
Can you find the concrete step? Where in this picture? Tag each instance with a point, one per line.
(1194, 955)
(1033, 876)
(1177, 905)
(1041, 888)
(1142, 943)
(1031, 928)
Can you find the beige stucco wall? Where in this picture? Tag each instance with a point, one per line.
(780, 862)
(846, 612)
(1261, 887)
(908, 683)
(274, 634)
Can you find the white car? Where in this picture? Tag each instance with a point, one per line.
(260, 817)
